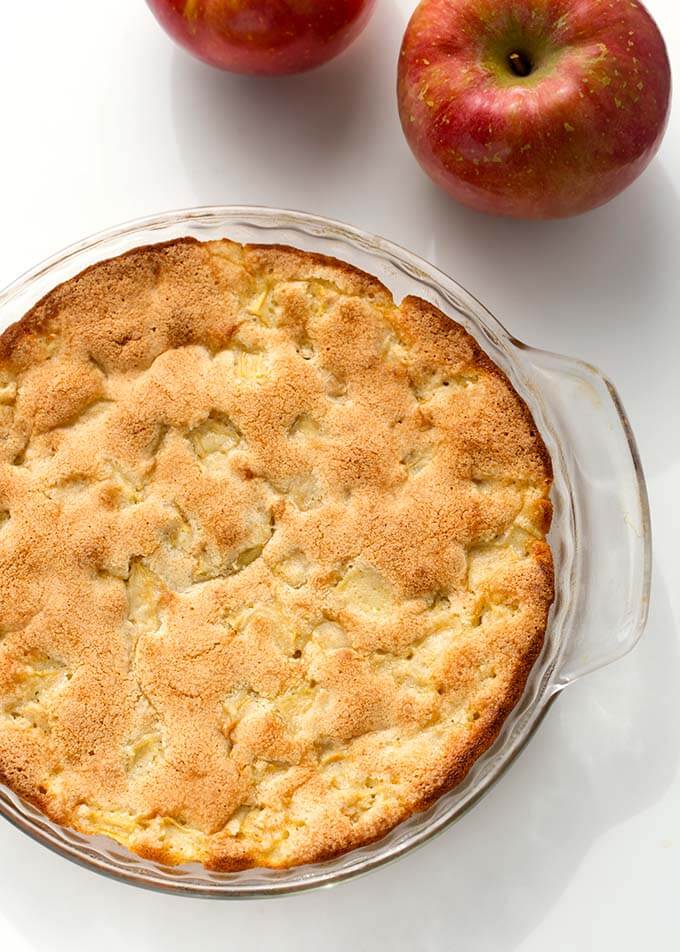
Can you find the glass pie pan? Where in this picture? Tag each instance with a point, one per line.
(600, 538)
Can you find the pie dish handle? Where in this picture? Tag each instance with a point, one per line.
(608, 554)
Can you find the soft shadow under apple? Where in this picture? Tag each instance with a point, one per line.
(308, 139)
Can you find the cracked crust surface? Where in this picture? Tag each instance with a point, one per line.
(272, 554)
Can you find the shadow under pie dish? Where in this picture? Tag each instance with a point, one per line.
(273, 554)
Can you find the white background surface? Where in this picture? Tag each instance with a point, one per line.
(578, 847)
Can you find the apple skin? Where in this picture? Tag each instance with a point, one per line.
(564, 139)
(267, 37)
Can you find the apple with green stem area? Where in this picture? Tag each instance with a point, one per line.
(533, 108)
(269, 37)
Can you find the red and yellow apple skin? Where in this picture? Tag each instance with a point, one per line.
(269, 37)
(568, 136)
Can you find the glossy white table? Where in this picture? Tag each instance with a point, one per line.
(579, 846)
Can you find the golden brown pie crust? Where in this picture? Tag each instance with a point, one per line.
(273, 568)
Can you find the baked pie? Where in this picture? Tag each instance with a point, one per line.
(273, 567)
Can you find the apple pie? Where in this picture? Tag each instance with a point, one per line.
(273, 566)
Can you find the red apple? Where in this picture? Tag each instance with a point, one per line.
(533, 108)
(263, 36)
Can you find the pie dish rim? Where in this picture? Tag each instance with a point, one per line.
(548, 676)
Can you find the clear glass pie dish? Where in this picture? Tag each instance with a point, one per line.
(600, 537)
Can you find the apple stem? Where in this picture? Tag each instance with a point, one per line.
(519, 63)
